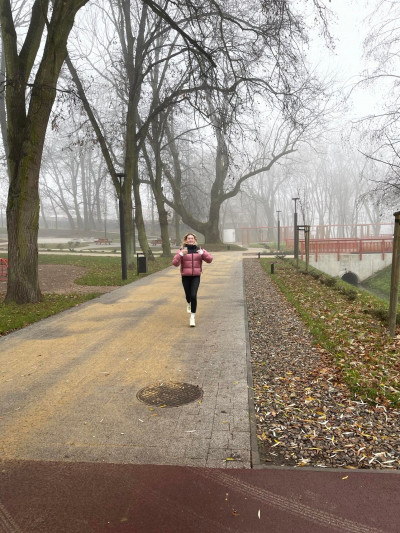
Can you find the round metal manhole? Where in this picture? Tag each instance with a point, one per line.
(169, 394)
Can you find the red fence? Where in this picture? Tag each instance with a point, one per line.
(372, 245)
(317, 232)
(3, 269)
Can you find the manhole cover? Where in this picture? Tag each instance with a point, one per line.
(170, 394)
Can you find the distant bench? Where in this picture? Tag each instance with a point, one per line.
(102, 241)
(158, 242)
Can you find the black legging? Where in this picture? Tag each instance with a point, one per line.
(191, 285)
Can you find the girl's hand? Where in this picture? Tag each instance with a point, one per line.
(184, 251)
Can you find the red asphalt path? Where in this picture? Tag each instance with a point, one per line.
(90, 497)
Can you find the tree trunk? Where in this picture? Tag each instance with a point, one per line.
(3, 113)
(163, 221)
(177, 223)
(139, 222)
(23, 226)
(85, 199)
(26, 132)
(211, 228)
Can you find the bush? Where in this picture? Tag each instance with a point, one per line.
(350, 293)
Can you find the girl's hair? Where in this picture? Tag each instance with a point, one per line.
(184, 241)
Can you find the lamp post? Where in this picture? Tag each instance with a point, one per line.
(105, 209)
(394, 282)
(279, 232)
(133, 224)
(121, 176)
(296, 234)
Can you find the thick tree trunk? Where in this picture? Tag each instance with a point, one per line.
(23, 226)
(133, 185)
(26, 133)
(139, 221)
(211, 231)
(25, 149)
(128, 217)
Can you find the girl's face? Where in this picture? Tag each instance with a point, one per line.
(190, 239)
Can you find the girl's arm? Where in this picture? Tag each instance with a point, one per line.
(206, 256)
(176, 261)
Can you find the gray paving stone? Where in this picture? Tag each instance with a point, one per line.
(222, 422)
(96, 375)
(244, 454)
(220, 439)
(198, 449)
(241, 440)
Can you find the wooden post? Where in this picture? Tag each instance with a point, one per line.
(307, 242)
(394, 283)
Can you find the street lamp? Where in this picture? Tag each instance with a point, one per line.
(121, 176)
(133, 224)
(279, 231)
(296, 233)
(105, 209)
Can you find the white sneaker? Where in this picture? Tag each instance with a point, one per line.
(192, 322)
(189, 308)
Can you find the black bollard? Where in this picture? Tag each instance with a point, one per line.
(272, 268)
(259, 255)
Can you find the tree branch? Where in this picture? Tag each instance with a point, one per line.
(158, 10)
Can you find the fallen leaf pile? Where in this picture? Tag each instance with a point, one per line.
(312, 406)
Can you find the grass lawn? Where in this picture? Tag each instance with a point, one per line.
(349, 325)
(379, 283)
(104, 271)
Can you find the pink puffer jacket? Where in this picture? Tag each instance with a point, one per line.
(191, 264)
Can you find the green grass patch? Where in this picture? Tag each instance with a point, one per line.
(223, 247)
(379, 283)
(350, 325)
(13, 316)
(103, 271)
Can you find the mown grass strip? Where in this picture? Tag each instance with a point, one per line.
(345, 322)
(101, 271)
(13, 316)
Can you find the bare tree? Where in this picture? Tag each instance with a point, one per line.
(234, 159)
(29, 100)
(381, 139)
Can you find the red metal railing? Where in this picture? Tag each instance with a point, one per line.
(369, 245)
(3, 269)
(319, 232)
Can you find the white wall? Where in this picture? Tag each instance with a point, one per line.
(370, 264)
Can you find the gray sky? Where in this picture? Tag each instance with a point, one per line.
(349, 27)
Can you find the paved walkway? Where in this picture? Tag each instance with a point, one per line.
(80, 453)
(69, 383)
